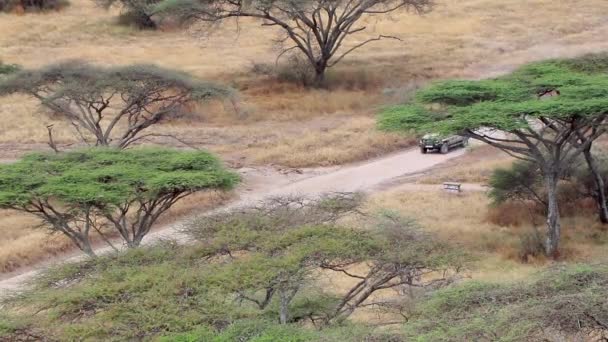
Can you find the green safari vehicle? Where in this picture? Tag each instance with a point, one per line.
(433, 142)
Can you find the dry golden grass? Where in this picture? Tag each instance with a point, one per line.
(356, 139)
(22, 244)
(470, 38)
(474, 167)
(463, 219)
(25, 243)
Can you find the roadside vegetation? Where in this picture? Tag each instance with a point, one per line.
(295, 84)
(258, 271)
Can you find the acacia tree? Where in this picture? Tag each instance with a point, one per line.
(287, 242)
(316, 28)
(546, 113)
(111, 106)
(105, 191)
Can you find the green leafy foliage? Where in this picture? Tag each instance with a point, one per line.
(592, 63)
(505, 103)
(283, 259)
(405, 119)
(107, 191)
(520, 182)
(568, 301)
(203, 292)
(107, 177)
(7, 69)
(266, 331)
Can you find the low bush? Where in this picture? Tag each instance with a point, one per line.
(531, 246)
(136, 13)
(7, 69)
(521, 182)
(32, 5)
(267, 331)
(568, 302)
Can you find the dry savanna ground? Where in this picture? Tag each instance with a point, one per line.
(495, 236)
(471, 38)
(277, 122)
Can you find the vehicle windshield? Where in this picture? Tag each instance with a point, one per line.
(432, 137)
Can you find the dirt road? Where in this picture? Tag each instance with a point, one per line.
(358, 177)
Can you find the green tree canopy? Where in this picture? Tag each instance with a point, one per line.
(246, 266)
(547, 113)
(111, 105)
(509, 103)
(107, 190)
(289, 240)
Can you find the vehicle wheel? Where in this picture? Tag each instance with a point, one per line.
(444, 149)
(423, 150)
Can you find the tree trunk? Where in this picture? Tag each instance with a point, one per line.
(85, 246)
(284, 306)
(553, 217)
(319, 78)
(600, 185)
(143, 20)
(320, 69)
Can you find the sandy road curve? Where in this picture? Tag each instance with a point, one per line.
(357, 177)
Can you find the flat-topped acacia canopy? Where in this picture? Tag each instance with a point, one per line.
(103, 189)
(506, 103)
(549, 113)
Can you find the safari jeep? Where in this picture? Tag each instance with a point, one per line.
(433, 142)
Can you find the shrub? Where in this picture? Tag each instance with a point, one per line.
(296, 70)
(522, 182)
(33, 5)
(138, 13)
(7, 69)
(531, 245)
(267, 331)
(569, 301)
